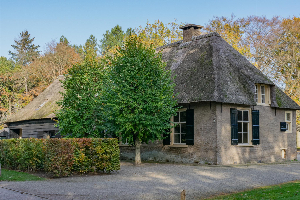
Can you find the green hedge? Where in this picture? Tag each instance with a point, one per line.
(61, 157)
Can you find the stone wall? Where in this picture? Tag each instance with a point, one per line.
(212, 139)
(203, 151)
(272, 140)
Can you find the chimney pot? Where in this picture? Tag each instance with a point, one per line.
(190, 30)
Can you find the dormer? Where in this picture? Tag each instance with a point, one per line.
(262, 94)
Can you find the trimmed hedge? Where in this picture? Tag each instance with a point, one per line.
(61, 157)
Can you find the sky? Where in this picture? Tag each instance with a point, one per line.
(77, 20)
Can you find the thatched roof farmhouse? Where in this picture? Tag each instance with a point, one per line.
(231, 112)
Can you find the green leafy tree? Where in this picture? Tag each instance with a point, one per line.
(6, 65)
(112, 38)
(140, 94)
(90, 48)
(80, 115)
(24, 49)
(64, 40)
(10, 87)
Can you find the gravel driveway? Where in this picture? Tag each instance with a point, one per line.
(156, 181)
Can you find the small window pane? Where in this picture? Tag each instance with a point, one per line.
(245, 137)
(176, 118)
(262, 89)
(240, 128)
(240, 115)
(263, 99)
(176, 138)
(256, 99)
(177, 128)
(245, 116)
(183, 138)
(288, 116)
(183, 128)
(287, 126)
(183, 116)
(240, 137)
(245, 127)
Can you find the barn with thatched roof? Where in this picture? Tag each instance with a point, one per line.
(231, 112)
(38, 119)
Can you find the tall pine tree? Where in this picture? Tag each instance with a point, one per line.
(24, 49)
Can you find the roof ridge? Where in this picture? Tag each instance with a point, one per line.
(180, 42)
(205, 36)
(169, 45)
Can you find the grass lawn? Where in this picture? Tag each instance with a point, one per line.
(290, 190)
(10, 175)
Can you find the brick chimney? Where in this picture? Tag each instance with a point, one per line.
(190, 30)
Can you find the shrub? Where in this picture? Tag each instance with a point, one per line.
(61, 157)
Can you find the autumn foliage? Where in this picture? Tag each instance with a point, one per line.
(60, 157)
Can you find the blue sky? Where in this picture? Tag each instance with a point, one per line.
(77, 20)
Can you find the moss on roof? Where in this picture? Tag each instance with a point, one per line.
(284, 101)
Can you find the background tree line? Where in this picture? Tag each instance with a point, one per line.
(272, 45)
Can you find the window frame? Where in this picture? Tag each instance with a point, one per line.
(258, 94)
(249, 135)
(173, 130)
(263, 95)
(289, 123)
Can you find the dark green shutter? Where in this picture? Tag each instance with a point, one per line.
(189, 127)
(234, 126)
(255, 127)
(166, 135)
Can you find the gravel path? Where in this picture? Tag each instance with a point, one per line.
(156, 181)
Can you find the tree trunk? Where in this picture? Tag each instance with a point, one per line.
(26, 88)
(137, 152)
(9, 107)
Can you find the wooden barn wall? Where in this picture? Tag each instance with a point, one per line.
(34, 128)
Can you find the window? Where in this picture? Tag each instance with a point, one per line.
(256, 91)
(244, 121)
(183, 132)
(262, 94)
(243, 126)
(288, 120)
(180, 128)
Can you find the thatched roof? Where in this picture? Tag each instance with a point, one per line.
(209, 69)
(43, 106)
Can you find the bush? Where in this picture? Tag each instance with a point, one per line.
(61, 157)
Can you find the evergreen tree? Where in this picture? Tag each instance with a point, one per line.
(111, 39)
(24, 49)
(64, 40)
(90, 48)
